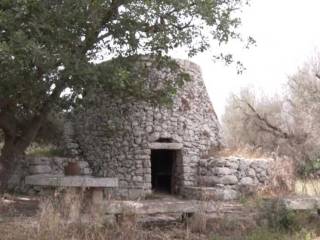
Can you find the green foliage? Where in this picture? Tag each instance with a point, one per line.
(37, 150)
(46, 45)
(49, 50)
(281, 219)
(309, 168)
(268, 234)
(264, 233)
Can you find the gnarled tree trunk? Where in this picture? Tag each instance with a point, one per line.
(15, 145)
(19, 134)
(10, 155)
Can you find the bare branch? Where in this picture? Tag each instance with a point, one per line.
(272, 128)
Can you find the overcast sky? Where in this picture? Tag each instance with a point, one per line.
(287, 34)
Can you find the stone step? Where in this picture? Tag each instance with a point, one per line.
(146, 207)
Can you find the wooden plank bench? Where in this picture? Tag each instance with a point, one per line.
(95, 184)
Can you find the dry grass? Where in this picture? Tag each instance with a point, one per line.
(245, 152)
(309, 187)
(69, 218)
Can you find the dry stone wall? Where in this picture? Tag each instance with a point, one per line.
(228, 178)
(234, 171)
(42, 165)
(54, 165)
(114, 135)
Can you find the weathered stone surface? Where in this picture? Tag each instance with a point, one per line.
(245, 176)
(170, 146)
(300, 203)
(70, 181)
(40, 169)
(110, 131)
(220, 171)
(210, 193)
(39, 160)
(246, 181)
(228, 180)
(226, 194)
(158, 207)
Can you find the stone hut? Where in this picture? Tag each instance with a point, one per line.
(148, 148)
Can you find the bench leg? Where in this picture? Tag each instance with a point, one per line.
(73, 203)
(97, 196)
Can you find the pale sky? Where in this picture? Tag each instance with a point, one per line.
(287, 34)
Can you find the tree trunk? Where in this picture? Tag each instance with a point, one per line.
(18, 138)
(10, 155)
(13, 151)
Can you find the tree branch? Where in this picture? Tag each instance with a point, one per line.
(93, 33)
(269, 127)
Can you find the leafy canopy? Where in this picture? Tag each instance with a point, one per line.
(47, 46)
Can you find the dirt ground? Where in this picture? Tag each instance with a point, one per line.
(18, 206)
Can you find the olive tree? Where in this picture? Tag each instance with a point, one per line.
(287, 125)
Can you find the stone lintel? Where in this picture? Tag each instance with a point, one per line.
(70, 181)
(169, 146)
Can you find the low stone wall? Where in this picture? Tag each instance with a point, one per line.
(41, 165)
(227, 178)
(54, 165)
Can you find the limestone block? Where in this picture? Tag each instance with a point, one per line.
(226, 194)
(136, 193)
(86, 171)
(149, 129)
(83, 164)
(220, 171)
(209, 181)
(217, 162)
(39, 161)
(234, 164)
(246, 181)
(39, 169)
(251, 172)
(300, 203)
(138, 178)
(229, 179)
(70, 181)
(243, 164)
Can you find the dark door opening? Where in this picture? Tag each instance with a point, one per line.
(163, 163)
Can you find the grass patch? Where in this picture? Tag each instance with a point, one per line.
(44, 151)
(269, 234)
(308, 187)
(65, 217)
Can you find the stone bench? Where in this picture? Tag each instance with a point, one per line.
(300, 203)
(95, 184)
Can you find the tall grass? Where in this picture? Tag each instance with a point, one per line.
(71, 218)
(308, 187)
